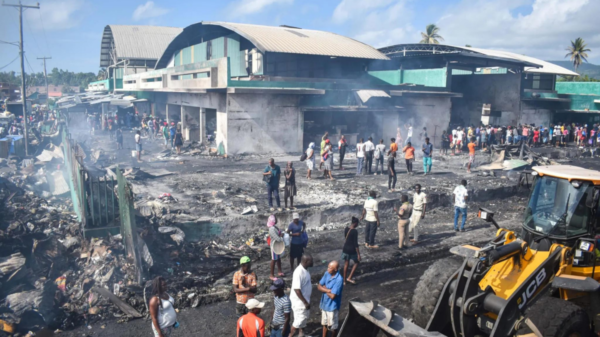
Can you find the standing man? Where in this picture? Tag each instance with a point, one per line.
(350, 250)
(172, 132)
(392, 178)
(138, 145)
(427, 152)
(342, 144)
(300, 295)
(331, 285)
(419, 208)
(460, 205)
(379, 154)
(290, 185)
(324, 140)
(119, 139)
(295, 229)
(404, 214)
(280, 324)
(393, 146)
(369, 151)
(471, 154)
(370, 214)
(250, 325)
(409, 132)
(244, 286)
(360, 156)
(271, 176)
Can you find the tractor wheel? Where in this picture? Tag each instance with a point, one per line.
(429, 288)
(555, 317)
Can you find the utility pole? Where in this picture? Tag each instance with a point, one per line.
(46, 76)
(20, 7)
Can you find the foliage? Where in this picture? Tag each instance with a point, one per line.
(55, 77)
(577, 52)
(431, 35)
(584, 78)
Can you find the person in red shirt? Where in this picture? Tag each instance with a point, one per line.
(250, 325)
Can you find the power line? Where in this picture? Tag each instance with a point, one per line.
(44, 30)
(10, 62)
(32, 35)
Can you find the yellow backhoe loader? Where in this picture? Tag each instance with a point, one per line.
(541, 283)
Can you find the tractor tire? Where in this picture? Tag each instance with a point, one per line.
(430, 286)
(555, 317)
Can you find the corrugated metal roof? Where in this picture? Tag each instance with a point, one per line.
(365, 95)
(136, 42)
(545, 67)
(302, 41)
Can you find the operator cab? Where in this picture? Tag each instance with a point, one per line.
(562, 206)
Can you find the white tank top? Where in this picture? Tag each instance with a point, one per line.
(166, 313)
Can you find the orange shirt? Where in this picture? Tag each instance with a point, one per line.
(394, 147)
(244, 281)
(471, 148)
(250, 325)
(409, 152)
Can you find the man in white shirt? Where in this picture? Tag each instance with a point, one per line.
(300, 295)
(460, 205)
(360, 156)
(419, 208)
(369, 150)
(379, 154)
(138, 145)
(409, 133)
(370, 213)
(460, 135)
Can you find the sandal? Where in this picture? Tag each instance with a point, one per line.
(351, 281)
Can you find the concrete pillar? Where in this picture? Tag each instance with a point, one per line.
(222, 129)
(202, 125)
(167, 113)
(183, 114)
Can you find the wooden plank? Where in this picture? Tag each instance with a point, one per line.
(126, 308)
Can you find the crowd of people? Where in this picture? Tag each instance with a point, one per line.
(37, 118)
(291, 313)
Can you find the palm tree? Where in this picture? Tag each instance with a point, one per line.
(577, 52)
(431, 35)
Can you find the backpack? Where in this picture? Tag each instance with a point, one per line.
(303, 157)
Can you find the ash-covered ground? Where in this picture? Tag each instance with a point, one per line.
(217, 207)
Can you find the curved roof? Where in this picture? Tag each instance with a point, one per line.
(544, 67)
(274, 39)
(135, 42)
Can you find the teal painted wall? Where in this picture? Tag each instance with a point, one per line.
(529, 94)
(583, 102)
(426, 77)
(200, 52)
(578, 88)
(237, 60)
(218, 48)
(393, 77)
(177, 58)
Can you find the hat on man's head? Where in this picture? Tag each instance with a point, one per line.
(244, 260)
(295, 216)
(254, 303)
(278, 283)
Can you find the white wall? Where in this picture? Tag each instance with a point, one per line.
(263, 123)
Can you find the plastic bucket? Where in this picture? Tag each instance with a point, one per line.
(286, 239)
(278, 247)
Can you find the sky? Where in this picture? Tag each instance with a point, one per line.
(70, 31)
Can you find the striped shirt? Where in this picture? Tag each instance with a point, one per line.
(282, 306)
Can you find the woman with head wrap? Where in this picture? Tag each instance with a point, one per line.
(275, 235)
(310, 159)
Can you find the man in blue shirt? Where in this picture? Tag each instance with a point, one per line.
(331, 285)
(272, 174)
(427, 151)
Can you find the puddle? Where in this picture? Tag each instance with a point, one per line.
(198, 231)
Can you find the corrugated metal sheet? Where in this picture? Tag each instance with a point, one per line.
(365, 95)
(545, 67)
(136, 42)
(302, 41)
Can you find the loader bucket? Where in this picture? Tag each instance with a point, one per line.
(368, 318)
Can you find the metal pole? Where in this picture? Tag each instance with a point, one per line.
(45, 75)
(21, 53)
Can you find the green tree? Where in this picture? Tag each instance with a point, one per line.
(577, 52)
(431, 35)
